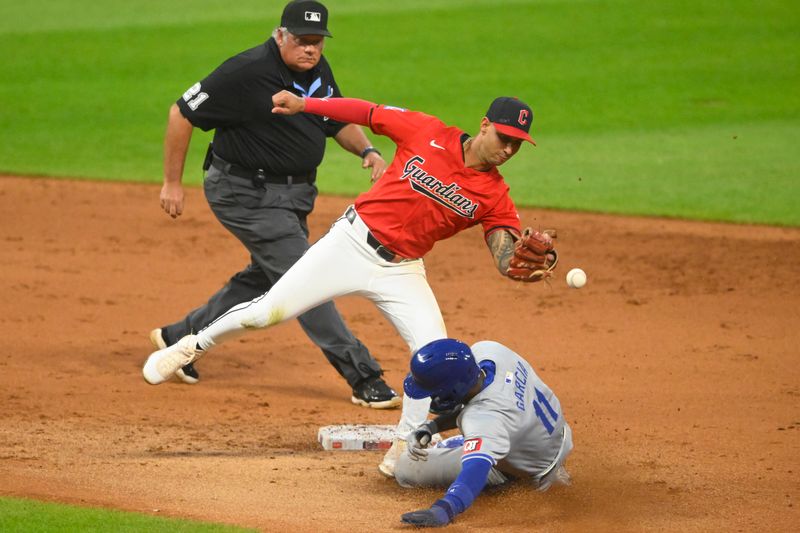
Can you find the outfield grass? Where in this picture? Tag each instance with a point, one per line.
(685, 108)
(17, 515)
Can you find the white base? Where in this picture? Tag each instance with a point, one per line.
(356, 437)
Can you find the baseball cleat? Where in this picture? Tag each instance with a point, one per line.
(375, 393)
(558, 477)
(162, 364)
(188, 374)
(157, 339)
(389, 462)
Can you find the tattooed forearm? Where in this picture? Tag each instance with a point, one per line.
(501, 245)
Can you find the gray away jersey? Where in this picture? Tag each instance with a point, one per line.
(516, 422)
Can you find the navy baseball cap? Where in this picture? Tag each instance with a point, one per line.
(512, 117)
(305, 17)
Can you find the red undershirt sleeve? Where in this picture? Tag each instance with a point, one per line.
(351, 110)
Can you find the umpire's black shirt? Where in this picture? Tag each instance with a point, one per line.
(236, 101)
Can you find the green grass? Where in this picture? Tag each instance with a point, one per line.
(683, 108)
(28, 516)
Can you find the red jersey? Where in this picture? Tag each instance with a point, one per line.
(427, 194)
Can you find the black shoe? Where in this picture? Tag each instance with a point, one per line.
(374, 392)
(188, 374)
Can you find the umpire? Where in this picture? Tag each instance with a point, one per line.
(260, 181)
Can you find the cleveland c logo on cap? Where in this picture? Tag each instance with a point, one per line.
(523, 116)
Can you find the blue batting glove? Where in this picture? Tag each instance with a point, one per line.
(436, 516)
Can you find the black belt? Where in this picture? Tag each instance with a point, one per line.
(379, 248)
(258, 177)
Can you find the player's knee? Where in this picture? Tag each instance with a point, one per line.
(406, 472)
(259, 318)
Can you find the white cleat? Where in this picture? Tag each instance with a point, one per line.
(163, 364)
(389, 462)
(188, 375)
(157, 339)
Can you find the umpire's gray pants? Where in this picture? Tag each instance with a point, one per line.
(275, 238)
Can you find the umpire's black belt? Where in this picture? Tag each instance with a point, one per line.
(258, 176)
(379, 248)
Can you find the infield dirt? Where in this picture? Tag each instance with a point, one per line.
(677, 366)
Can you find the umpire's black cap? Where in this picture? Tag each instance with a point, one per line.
(306, 17)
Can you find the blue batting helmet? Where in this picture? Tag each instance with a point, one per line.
(444, 369)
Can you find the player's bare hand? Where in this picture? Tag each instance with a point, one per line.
(286, 103)
(172, 199)
(374, 161)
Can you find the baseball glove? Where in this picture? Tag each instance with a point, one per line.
(534, 256)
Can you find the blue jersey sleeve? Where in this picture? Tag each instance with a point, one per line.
(467, 486)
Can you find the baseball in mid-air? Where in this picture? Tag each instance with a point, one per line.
(576, 278)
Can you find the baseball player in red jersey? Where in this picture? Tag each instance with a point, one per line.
(441, 181)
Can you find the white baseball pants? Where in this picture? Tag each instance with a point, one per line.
(339, 264)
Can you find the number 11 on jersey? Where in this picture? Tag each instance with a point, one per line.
(548, 415)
